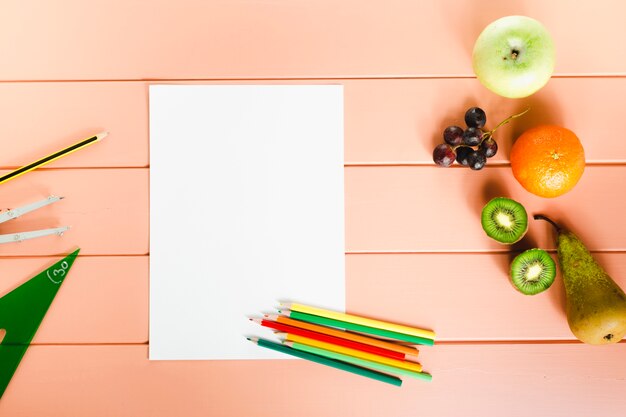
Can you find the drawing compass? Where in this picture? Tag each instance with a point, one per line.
(17, 212)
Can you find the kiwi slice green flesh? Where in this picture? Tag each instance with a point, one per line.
(504, 220)
(533, 271)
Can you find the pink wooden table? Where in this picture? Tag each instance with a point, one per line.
(414, 248)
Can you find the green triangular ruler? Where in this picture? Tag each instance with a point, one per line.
(22, 311)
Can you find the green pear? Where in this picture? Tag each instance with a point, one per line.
(596, 305)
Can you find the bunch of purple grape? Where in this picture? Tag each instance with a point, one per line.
(470, 147)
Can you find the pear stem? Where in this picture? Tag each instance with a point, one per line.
(542, 217)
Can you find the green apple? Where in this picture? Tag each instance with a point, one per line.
(514, 56)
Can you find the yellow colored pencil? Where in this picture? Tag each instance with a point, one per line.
(410, 352)
(411, 366)
(379, 324)
(53, 157)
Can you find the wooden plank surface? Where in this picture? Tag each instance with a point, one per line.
(103, 300)
(386, 122)
(406, 68)
(107, 210)
(121, 39)
(464, 297)
(395, 121)
(470, 380)
(434, 209)
(401, 121)
(39, 119)
(381, 207)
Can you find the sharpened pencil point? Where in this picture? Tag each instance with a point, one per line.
(102, 135)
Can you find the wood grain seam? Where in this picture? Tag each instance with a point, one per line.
(442, 343)
(349, 253)
(465, 252)
(394, 164)
(122, 255)
(76, 168)
(492, 164)
(319, 78)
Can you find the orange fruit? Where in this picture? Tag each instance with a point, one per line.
(548, 160)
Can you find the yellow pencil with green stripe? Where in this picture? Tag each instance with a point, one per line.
(363, 321)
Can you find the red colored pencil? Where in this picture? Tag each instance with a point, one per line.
(330, 339)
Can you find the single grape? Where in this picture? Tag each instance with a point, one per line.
(453, 135)
(472, 136)
(489, 147)
(476, 160)
(444, 155)
(475, 117)
(462, 152)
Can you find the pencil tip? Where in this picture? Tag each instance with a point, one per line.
(102, 135)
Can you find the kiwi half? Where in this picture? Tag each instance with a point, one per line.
(504, 220)
(533, 271)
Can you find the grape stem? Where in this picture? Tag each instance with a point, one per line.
(489, 133)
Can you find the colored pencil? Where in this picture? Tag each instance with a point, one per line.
(43, 161)
(411, 366)
(364, 321)
(324, 321)
(358, 361)
(379, 376)
(330, 339)
(408, 351)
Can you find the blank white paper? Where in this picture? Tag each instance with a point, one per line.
(246, 210)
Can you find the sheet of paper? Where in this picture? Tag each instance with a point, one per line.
(246, 210)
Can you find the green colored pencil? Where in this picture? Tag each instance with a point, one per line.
(358, 361)
(379, 376)
(358, 328)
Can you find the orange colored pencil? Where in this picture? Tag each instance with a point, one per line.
(409, 352)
